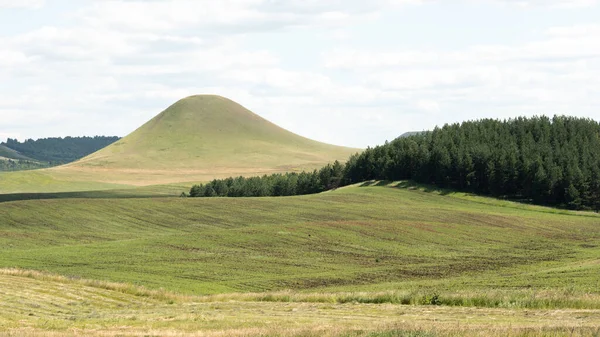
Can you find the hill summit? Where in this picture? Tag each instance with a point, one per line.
(209, 136)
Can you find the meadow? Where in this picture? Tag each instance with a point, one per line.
(365, 260)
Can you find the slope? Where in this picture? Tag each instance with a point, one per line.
(9, 153)
(198, 138)
(57, 150)
(211, 135)
(11, 160)
(356, 238)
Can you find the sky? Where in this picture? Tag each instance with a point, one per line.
(346, 72)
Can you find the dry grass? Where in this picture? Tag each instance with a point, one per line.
(398, 330)
(38, 304)
(124, 288)
(510, 299)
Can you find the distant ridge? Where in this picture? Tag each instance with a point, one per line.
(55, 150)
(9, 153)
(411, 133)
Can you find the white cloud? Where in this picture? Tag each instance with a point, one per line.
(559, 74)
(428, 105)
(11, 58)
(27, 4)
(557, 4)
(226, 16)
(577, 31)
(573, 42)
(115, 64)
(13, 135)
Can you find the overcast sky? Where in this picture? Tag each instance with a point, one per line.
(348, 72)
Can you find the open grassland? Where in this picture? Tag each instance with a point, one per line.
(63, 179)
(358, 239)
(34, 304)
(49, 181)
(66, 179)
(359, 261)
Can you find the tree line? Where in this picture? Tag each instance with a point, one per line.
(20, 165)
(288, 184)
(548, 161)
(57, 151)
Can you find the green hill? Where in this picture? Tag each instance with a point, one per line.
(11, 160)
(198, 138)
(212, 132)
(8, 153)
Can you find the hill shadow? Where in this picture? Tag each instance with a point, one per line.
(407, 185)
(375, 183)
(110, 194)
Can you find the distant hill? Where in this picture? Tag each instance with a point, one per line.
(54, 151)
(411, 133)
(11, 160)
(197, 139)
(210, 136)
(8, 153)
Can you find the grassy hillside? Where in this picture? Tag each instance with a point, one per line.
(11, 160)
(207, 136)
(345, 262)
(354, 238)
(202, 132)
(8, 153)
(196, 139)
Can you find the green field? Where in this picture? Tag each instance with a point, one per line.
(198, 138)
(350, 262)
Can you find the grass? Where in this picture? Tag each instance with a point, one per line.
(196, 139)
(156, 191)
(410, 185)
(49, 181)
(388, 260)
(34, 304)
(357, 239)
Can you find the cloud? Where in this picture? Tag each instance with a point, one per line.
(5, 135)
(558, 74)
(227, 16)
(114, 64)
(555, 4)
(571, 42)
(27, 4)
